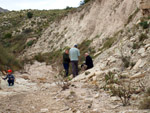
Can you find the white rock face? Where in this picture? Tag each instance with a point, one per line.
(73, 29)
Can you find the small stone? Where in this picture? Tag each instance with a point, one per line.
(137, 75)
(115, 99)
(33, 107)
(137, 64)
(94, 78)
(141, 51)
(146, 46)
(143, 54)
(65, 109)
(116, 77)
(95, 110)
(97, 95)
(88, 101)
(44, 110)
(78, 111)
(142, 64)
(111, 59)
(83, 94)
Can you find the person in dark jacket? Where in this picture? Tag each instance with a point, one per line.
(88, 61)
(10, 78)
(66, 61)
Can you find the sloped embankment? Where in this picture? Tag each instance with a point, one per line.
(97, 20)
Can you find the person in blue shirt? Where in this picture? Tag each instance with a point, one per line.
(10, 78)
(74, 53)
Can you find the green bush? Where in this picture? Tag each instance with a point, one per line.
(110, 78)
(68, 8)
(29, 14)
(108, 43)
(30, 43)
(84, 2)
(27, 30)
(8, 35)
(124, 93)
(50, 57)
(126, 61)
(144, 24)
(8, 60)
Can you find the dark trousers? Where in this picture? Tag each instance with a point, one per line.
(10, 82)
(66, 67)
(74, 68)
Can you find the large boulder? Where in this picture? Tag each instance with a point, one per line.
(145, 4)
(145, 7)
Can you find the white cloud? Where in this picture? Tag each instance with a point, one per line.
(38, 4)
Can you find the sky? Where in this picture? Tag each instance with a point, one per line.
(38, 4)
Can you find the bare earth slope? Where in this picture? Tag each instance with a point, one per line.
(97, 20)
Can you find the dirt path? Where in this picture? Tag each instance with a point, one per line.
(36, 92)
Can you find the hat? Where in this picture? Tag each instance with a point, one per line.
(76, 45)
(10, 71)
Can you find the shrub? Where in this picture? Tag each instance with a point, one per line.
(50, 57)
(27, 30)
(39, 57)
(136, 46)
(84, 2)
(108, 43)
(110, 78)
(142, 37)
(8, 35)
(126, 61)
(30, 43)
(29, 14)
(145, 104)
(124, 93)
(144, 24)
(67, 8)
(8, 60)
(148, 91)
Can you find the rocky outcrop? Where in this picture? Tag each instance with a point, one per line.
(145, 6)
(3, 10)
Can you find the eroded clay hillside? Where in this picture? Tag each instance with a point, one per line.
(97, 20)
(116, 34)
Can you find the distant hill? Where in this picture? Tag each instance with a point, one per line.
(3, 10)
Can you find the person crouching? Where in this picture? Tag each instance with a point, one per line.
(10, 78)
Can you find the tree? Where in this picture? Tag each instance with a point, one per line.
(29, 15)
(84, 2)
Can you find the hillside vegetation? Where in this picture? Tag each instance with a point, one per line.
(21, 29)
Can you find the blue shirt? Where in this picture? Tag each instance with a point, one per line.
(9, 77)
(74, 53)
